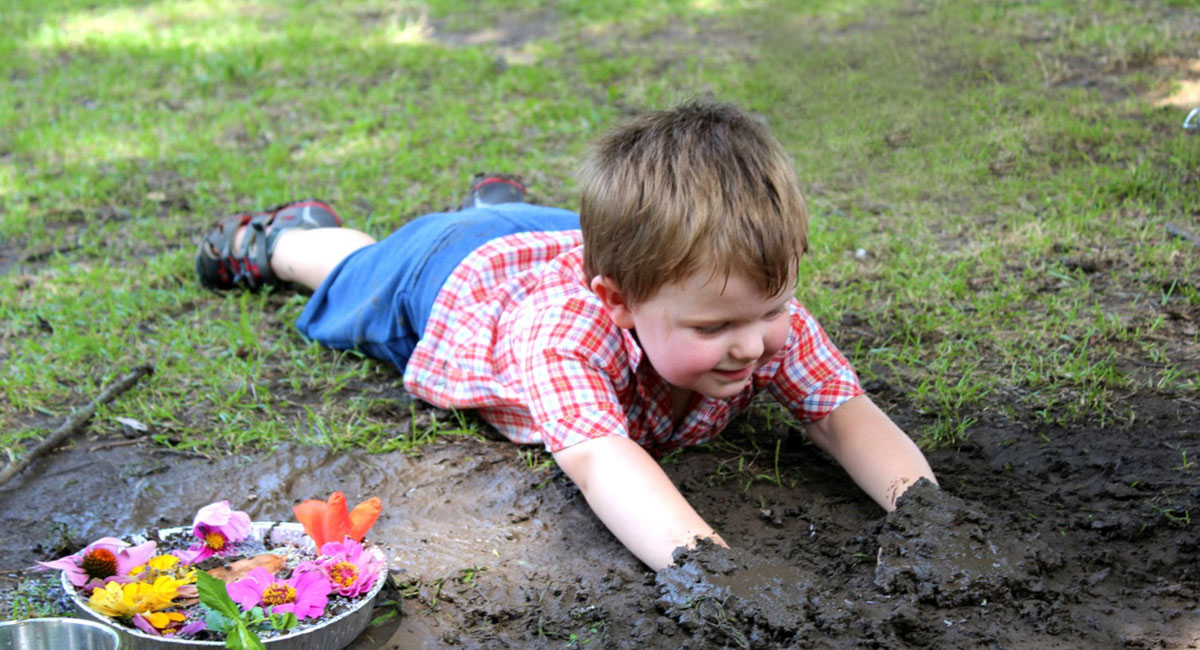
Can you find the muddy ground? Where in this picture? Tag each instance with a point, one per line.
(1041, 538)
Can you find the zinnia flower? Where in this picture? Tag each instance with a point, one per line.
(351, 570)
(218, 527)
(329, 522)
(103, 560)
(305, 594)
(117, 600)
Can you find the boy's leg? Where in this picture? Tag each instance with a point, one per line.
(243, 250)
(307, 256)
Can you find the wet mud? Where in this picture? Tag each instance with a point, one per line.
(1039, 537)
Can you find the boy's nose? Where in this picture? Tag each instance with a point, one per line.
(747, 348)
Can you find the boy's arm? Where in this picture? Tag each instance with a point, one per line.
(630, 493)
(881, 459)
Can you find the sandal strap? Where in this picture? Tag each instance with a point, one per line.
(220, 266)
(255, 259)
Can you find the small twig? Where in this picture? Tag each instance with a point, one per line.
(73, 423)
(186, 453)
(1176, 231)
(115, 443)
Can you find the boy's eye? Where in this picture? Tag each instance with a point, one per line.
(712, 329)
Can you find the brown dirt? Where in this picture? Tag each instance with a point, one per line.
(1043, 537)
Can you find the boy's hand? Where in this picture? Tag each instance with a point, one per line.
(881, 459)
(630, 493)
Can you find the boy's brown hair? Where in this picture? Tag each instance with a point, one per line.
(670, 192)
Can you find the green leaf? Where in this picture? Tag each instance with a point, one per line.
(215, 596)
(384, 617)
(217, 622)
(284, 620)
(242, 638)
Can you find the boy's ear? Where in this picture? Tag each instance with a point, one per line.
(614, 301)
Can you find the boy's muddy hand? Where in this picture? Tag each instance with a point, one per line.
(733, 589)
(944, 550)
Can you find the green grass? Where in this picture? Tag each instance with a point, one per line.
(1004, 169)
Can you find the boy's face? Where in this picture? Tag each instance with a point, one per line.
(706, 334)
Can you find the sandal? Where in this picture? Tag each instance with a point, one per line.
(220, 267)
(490, 189)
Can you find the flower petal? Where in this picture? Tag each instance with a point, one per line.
(364, 516)
(213, 514)
(247, 592)
(337, 519)
(142, 623)
(135, 556)
(192, 628)
(311, 514)
(193, 554)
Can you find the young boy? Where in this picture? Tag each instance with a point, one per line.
(641, 325)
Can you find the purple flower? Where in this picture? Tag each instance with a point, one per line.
(305, 594)
(193, 628)
(104, 560)
(218, 527)
(172, 624)
(159, 623)
(351, 570)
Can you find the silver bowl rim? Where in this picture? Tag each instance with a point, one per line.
(261, 528)
(65, 620)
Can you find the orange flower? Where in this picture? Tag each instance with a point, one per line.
(329, 521)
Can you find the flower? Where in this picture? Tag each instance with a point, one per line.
(218, 527)
(350, 570)
(305, 594)
(160, 623)
(164, 565)
(118, 600)
(105, 559)
(329, 522)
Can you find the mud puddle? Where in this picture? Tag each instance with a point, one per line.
(1038, 539)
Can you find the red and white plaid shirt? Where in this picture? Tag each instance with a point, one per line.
(517, 334)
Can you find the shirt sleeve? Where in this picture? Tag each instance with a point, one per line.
(570, 367)
(813, 378)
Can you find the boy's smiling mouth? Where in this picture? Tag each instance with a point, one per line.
(734, 375)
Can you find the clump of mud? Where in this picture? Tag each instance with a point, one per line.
(939, 549)
(934, 552)
(723, 596)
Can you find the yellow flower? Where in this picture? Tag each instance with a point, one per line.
(164, 565)
(164, 590)
(115, 600)
(118, 600)
(160, 563)
(164, 620)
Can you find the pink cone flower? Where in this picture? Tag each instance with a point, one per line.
(305, 594)
(218, 527)
(351, 570)
(104, 560)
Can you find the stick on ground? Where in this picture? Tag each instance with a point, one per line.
(74, 422)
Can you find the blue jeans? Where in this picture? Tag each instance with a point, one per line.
(378, 299)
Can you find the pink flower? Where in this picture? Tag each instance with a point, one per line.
(218, 527)
(104, 560)
(351, 570)
(305, 594)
